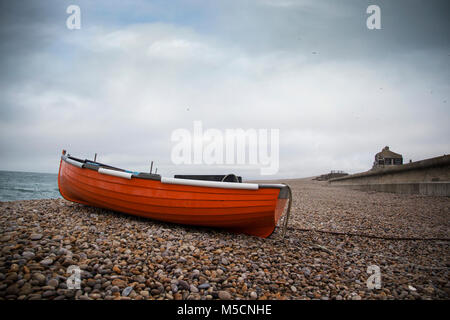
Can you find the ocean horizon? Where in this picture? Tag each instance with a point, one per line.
(18, 185)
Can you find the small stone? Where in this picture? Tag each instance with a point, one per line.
(116, 269)
(144, 293)
(195, 273)
(224, 295)
(26, 289)
(91, 282)
(403, 294)
(183, 284)
(119, 283)
(357, 297)
(12, 276)
(429, 290)
(169, 296)
(411, 288)
(28, 254)
(253, 295)
(58, 237)
(53, 283)
(155, 292)
(306, 271)
(177, 272)
(193, 288)
(39, 277)
(178, 296)
(14, 268)
(48, 293)
(62, 251)
(87, 289)
(126, 291)
(204, 286)
(273, 287)
(115, 289)
(46, 262)
(36, 236)
(12, 290)
(293, 289)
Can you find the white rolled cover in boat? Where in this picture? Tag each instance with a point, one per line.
(115, 173)
(212, 184)
(74, 163)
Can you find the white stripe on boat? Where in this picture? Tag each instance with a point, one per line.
(115, 173)
(212, 184)
(74, 163)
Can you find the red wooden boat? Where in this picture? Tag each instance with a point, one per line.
(249, 208)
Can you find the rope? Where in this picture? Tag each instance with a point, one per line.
(368, 235)
(288, 212)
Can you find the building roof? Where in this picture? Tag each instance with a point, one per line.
(386, 153)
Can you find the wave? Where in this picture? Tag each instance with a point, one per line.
(27, 186)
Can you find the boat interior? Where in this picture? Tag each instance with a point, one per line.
(94, 165)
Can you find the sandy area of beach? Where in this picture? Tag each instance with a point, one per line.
(334, 235)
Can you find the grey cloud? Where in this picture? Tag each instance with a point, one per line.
(120, 88)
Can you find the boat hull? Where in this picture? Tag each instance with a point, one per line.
(253, 212)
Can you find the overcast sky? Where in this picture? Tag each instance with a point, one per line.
(137, 70)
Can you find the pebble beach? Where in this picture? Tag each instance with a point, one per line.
(334, 235)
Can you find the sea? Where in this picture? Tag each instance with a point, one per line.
(28, 186)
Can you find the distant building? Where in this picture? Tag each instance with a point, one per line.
(387, 158)
(333, 174)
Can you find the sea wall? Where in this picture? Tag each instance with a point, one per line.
(426, 177)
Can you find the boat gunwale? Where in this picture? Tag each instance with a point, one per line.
(168, 199)
(93, 165)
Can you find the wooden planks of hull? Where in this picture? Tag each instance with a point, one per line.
(253, 212)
